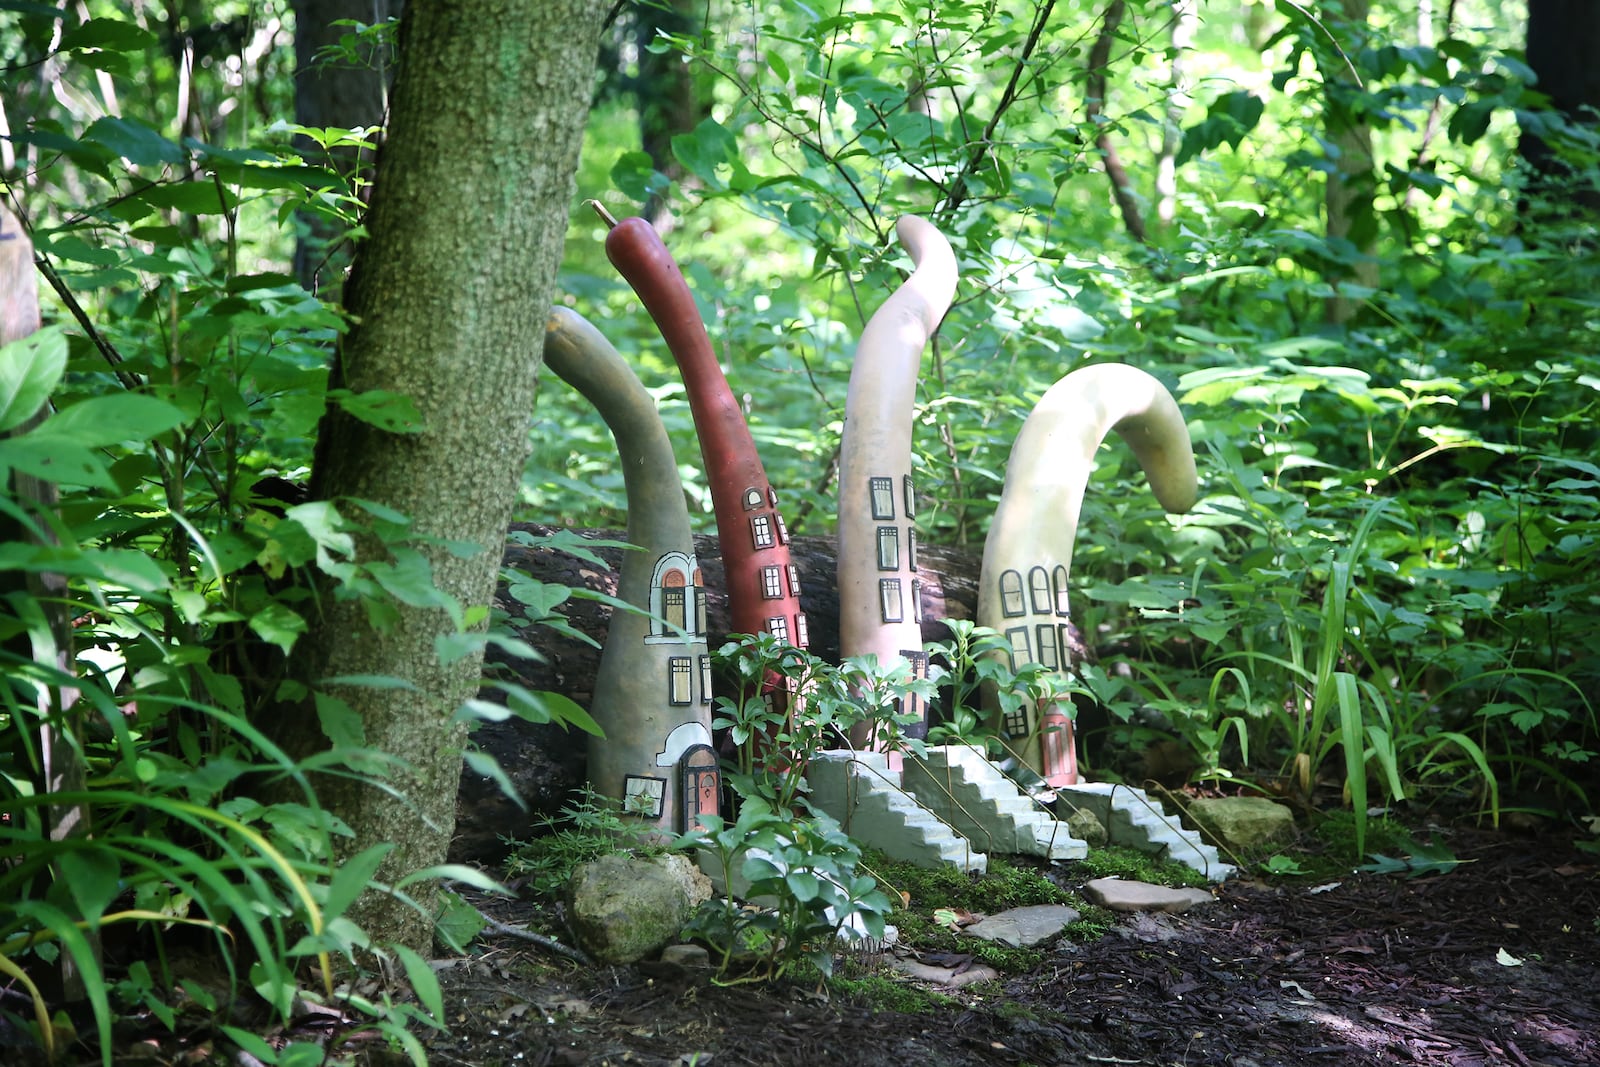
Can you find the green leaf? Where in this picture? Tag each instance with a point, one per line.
(101, 421)
(458, 922)
(351, 878)
(483, 763)
(110, 34)
(93, 876)
(133, 141)
(30, 369)
(390, 412)
(191, 198)
(340, 722)
(278, 625)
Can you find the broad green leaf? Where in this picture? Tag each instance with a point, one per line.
(92, 875)
(391, 412)
(101, 421)
(278, 625)
(340, 722)
(30, 369)
(133, 141)
(351, 878)
(110, 34)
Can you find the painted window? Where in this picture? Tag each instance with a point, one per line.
(761, 531)
(888, 548)
(889, 599)
(778, 627)
(911, 549)
(699, 603)
(772, 583)
(802, 630)
(794, 581)
(910, 498)
(1039, 590)
(1049, 649)
(643, 795)
(772, 497)
(882, 497)
(1011, 604)
(1016, 723)
(1058, 578)
(680, 689)
(783, 529)
(916, 600)
(674, 607)
(752, 498)
(705, 679)
(1020, 652)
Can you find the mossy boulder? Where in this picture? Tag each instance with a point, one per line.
(623, 909)
(1242, 824)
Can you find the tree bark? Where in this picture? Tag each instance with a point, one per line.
(337, 93)
(449, 294)
(1352, 185)
(1098, 84)
(1563, 39)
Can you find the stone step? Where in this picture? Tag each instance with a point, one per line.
(965, 790)
(864, 794)
(1135, 820)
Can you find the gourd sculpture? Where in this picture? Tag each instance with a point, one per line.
(763, 583)
(1027, 557)
(880, 610)
(652, 695)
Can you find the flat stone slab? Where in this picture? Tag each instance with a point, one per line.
(1024, 927)
(1120, 895)
(953, 977)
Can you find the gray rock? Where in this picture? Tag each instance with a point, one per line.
(686, 955)
(1120, 895)
(1086, 826)
(1242, 823)
(687, 873)
(623, 909)
(954, 977)
(1023, 927)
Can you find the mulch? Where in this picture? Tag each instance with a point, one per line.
(1496, 961)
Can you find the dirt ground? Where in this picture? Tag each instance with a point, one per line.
(1495, 962)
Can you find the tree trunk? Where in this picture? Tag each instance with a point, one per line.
(47, 637)
(1352, 221)
(1185, 20)
(340, 93)
(450, 294)
(1563, 39)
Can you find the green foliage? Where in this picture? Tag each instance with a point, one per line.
(803, 877)
(588, 827)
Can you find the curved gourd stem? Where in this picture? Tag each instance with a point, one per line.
(1028, 554)
(763, 584)
(652, 694)
(879, 596)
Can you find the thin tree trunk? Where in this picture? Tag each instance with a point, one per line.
(1352, 185)
(1122, 191)
(449, 294)
(340, 93)
(47, 637)
(1185, 20)
(1563, 39)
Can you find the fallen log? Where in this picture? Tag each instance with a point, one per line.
(546, 763)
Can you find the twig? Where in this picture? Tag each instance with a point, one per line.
(104, 347)
(538, 939)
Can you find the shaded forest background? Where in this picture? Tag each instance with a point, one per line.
(1356, 239)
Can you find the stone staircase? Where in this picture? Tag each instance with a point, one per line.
(1132, 819)
(864, 794)
(973, 796)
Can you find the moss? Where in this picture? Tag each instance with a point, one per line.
(880, 992)
(1003, 886)
(1117, 862)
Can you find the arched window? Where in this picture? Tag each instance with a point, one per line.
(1039, 590)
(1058, 578)
(1011, 604)
(699, 589)
(675, 600)
(752, 498)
